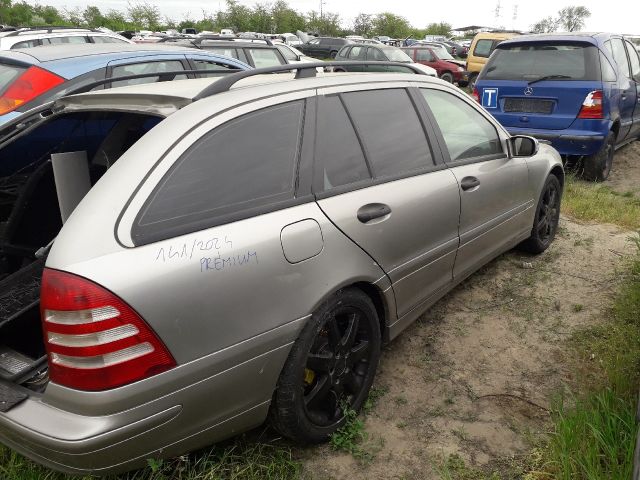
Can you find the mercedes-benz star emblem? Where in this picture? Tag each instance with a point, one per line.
(528, 91)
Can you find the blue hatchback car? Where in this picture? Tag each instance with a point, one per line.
(34, 76)
(580, 91)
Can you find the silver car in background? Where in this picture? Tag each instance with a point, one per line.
(239, 249)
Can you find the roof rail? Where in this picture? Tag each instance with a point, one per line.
(303, 70)
(200, 39)
(48, 29)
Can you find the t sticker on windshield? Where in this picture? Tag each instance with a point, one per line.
(490, 98)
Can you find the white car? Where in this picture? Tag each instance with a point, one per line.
(291, 39)
(35, 37)
(293, 55)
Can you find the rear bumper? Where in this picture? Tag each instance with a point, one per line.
(461, 78)
(566, 142)
(205, 411)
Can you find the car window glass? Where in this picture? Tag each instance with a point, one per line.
(337, 147)
(314, 41)
(376, 54)
(264, 57)
(390, 130)
(25, 44)
(424, 56)
(104, 39)
(466, 132)
(635, 60)
(608, 72)
(620, 56)
(146, 67)
(66, 40)
(287, 53)
(220, 50)
(357, 53)
(8, 73)
(483, 48)
(217, 67)
(246, 163)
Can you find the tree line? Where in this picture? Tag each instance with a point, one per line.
(276, 17)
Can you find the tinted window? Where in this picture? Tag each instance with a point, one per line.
(376, 54)
(391, 131)
(620, 56)
(424, 56)
(246, 163)
(337, 147)
(26, 44)
(466, 132)
(263, 57)
(608, 72)
(287, 53)
(65, 40)
(635, 60)
(224, 50)
(146, 67)
(357, 53)
(217, 67)
(102, 39)
(532, 61)
(483, 48)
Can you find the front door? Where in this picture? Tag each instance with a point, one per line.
(634, 58)
(627, 87)
(495, 198)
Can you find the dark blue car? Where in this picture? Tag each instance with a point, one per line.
(580, 91)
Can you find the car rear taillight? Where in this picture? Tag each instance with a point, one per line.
(32, 83)
(592, 105)
(476, 95)
(94, 340)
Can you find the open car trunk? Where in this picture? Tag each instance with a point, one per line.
(39, 187)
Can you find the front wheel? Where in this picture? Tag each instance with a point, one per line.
(597, 167)
(545, 223)
(447, 77)
(329, 370)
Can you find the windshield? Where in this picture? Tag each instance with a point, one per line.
(568, 61)
(396, 55)
(441, 52)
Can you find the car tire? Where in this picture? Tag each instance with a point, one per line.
(597, 167)
(472, 80)
(545, 222)
(447, 77)
(330, 368)
(333, 54)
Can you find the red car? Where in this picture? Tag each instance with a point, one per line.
(448, 68)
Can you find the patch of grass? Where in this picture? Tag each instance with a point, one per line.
(454, 468)
(351, 438)
(595, 202)
(595, 430)
(241, 460)
(577, 307)
(374, 395)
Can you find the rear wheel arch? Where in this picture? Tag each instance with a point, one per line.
(379, 302)
(615, 128)
(558, 172)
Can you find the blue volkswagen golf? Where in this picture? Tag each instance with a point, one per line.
(580, 91)
(34, 76)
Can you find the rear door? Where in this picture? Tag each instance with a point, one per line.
(357, 53)
(516, 85)
(496, 199)
(626, 84)
(634, 60)
(378, 180)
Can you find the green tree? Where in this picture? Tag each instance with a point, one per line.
(237, 16)
(363, 25)
(328, 24)
(116, 20)
(572, 18)
(441, 28)
(74, 16)
(49, 15)
(546, 25)
(20, 14)
(391, 25)
(260, 19)
(286, 19)
(93, 16)
(144, 15)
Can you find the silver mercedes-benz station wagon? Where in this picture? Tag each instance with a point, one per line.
(236, 249)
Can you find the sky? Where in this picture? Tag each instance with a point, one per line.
(620, 16)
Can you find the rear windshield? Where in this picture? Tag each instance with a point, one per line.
(528, 62)
(396, 55)
(8, 73)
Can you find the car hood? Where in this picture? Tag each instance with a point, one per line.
(426, 69)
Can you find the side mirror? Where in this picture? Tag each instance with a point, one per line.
(523, 146)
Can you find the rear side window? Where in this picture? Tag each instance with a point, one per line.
(357, 53)
(264, 57)
(424, 56)
(246, 164)
(391, 131)
(634, 59)
(338, 150)
(227, 52)
(217, 68)
(483, 48)
(466, 132)
(608, 72)
(68, 40)
(8, 73)
(105, 39)
(26, 44)
(288, 54)
(146, 67)
(376, 54)
(532, 61)
(620, 56)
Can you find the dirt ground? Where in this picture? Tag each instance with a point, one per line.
(475, 375)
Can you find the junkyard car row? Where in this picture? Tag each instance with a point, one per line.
(182, 260)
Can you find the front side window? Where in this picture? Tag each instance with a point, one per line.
(391, 131)
(105, 39)
(357, 53)
(244, 164)
(483, 48)
(424, 56)
(287, 53)
(467, 133)
(146, 67)
(218, 68)
(263, 57)
(376, 54)
(67, 40)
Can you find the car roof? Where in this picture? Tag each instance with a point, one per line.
(233, 44)
(590, 37)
